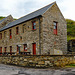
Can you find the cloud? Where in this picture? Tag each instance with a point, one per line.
(70, 6)
(19, 8)
(13, 7)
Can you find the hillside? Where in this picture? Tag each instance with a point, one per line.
(70, 29)
(1, 17)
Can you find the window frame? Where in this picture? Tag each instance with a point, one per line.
(23, 27)
(4, 34)
(33, 26)
(0, 36)
(10, 33)
(17, 30)
(25, 46)
(55, 27)
(10, 50)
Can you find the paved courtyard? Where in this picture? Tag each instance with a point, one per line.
(13, 70)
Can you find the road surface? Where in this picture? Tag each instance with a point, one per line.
(14, 70)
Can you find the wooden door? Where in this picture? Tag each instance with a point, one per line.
(34, 48)
(18, 49)
(10, 50)
(0, 50)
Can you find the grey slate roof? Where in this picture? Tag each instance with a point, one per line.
(2, 20)
(28, 17)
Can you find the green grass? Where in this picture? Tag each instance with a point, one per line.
(70, 38)
(71, 65)
(4, 17)
(1, 17)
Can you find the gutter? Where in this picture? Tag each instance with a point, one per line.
(39, 36)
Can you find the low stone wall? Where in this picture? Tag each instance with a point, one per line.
(39, 60)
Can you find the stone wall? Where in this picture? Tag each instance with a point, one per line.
(39, 60)
(52, 42)
(28, 37)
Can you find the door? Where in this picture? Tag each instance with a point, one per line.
(18, 49)
(34, 48)
(25, 47)
(0, 50)
(10, 50)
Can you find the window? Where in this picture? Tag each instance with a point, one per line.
(10, 50)
(10, 33)
(4, 34)
(33, 25)
(25, 47)
(17, 30)
(20, 38)
(17, 49)
(5, 50)
(23, 28)
(0, 35)
(55, 27)
(0, 50)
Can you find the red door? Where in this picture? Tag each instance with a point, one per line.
(34, 48)
(0, 50)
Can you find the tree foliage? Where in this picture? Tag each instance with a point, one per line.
(70, 27)
(1, 17)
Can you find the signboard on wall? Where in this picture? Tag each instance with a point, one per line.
(58, 52)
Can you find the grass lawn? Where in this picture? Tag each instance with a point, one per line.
(71, 65)
(70, 37)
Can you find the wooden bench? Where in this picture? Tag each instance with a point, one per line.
(25, 53)
(13, 53)
(8, 53)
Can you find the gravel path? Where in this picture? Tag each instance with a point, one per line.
(13, 70)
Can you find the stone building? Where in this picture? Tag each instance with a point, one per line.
(42, 32)
(5, 21)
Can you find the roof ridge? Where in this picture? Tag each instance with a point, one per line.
(51, 6)
(38, 9)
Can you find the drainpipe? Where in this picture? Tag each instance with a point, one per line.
(39, 36)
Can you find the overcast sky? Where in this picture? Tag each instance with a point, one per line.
(19, 8)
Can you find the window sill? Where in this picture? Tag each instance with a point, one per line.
(56, 34)
(34, 30)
